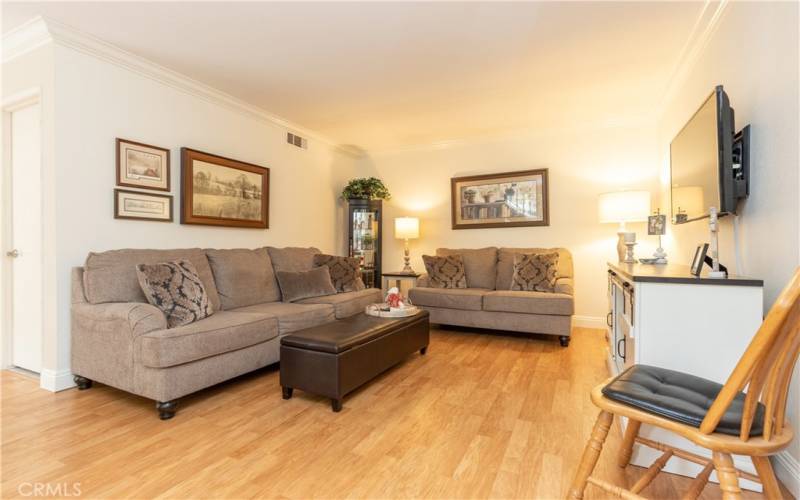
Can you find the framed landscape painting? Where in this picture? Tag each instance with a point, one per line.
(136, 205)
(219, 191)
(142, 165)
(508, 199)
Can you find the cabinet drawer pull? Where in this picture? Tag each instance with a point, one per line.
(609, 319)
(621, 353)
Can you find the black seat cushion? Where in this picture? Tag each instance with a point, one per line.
(678, 396)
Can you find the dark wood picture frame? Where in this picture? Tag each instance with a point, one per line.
(455, 199)
(120, 182)
(699, 259)
(188, 156)
(117, 214)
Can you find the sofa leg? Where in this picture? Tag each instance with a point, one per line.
(336, 405)
(287, 392)
(424, 350)
(564, 339)
(166, 409)
(83, 383)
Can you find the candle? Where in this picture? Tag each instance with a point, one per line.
(630, 237)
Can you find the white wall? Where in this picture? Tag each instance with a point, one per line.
(754, 55)
(96, 101)
(582, 163)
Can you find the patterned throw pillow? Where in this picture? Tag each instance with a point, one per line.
(175, 288)
(345, 272)
(446, 271)
(535, 272)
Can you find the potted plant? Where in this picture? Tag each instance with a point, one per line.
(469, 195)
(365, 188)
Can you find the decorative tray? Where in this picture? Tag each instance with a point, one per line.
(380, 311)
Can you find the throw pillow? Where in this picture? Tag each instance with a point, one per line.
(536, 272)
(345, 272)
(446, 271)
(175, 288)
(297, 285)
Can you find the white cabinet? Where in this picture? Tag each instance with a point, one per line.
(663, 316)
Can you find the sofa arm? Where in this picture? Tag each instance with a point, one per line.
(423, 281)
(133, 318)
(565, 285)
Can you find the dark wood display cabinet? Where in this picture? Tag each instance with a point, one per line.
(364, 238)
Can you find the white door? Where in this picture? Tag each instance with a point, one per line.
(26, 238)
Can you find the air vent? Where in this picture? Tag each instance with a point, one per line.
(296, 140)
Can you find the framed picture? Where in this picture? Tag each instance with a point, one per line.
(142, 165)
(657, 225)
(500, 200)
(142, 206)
(699, 258)
(219, 191)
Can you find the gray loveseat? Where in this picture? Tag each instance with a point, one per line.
(488, 302)
(120, 340)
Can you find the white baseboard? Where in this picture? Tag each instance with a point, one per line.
(787, 468)
(56, 380)
(589, 322)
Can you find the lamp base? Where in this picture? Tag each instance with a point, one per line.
(407, 259)
(621, 250)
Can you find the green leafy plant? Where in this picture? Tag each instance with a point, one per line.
(366, 188)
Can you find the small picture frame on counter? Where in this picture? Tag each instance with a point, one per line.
(699, 258)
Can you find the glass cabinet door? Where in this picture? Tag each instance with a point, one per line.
(365, 230)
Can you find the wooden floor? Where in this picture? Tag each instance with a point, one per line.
(480, 416)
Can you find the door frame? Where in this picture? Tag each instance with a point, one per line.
(14, 102)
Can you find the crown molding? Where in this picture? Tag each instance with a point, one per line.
(25, 38)
(703, 30)
(41, 30)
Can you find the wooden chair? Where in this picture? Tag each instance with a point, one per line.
(759, 415)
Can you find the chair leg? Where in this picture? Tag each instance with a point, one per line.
(728, 478)
(590, 454)
(764, 470)
(625, 452)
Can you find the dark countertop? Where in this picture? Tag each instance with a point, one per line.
(676, 273)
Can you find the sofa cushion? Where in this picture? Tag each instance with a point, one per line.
(176, 290)
(292, 316)
(470, 299)
(345, 272)
(348, 303)
(223, 332)
(292, 258)
(305, 284)
(505, 263)
(111, 276)
(535, 272)
(445, 272)
(480, 265)
(559, 304)
(243, 277)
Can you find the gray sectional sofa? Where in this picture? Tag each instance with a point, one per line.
(120, 340)
(488, 302)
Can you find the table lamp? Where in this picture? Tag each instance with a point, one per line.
(621, 207)
(406, 228)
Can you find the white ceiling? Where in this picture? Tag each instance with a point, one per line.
(389, 75)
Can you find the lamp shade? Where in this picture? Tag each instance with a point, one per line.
(406, 228)
(623, 206)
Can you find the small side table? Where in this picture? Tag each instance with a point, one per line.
(398, 279)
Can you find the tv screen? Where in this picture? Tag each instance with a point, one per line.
(701, 162)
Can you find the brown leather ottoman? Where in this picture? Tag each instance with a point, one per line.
(334, 359)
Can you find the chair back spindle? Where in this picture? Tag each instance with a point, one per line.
(765, 368)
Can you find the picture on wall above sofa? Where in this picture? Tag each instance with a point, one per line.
(506, 199)
(142, 165)
(219, 191)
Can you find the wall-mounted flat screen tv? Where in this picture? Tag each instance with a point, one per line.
(708, 162)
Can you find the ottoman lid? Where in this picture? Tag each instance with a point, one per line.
(344, 334)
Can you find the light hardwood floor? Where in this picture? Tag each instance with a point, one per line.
(480, 416)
